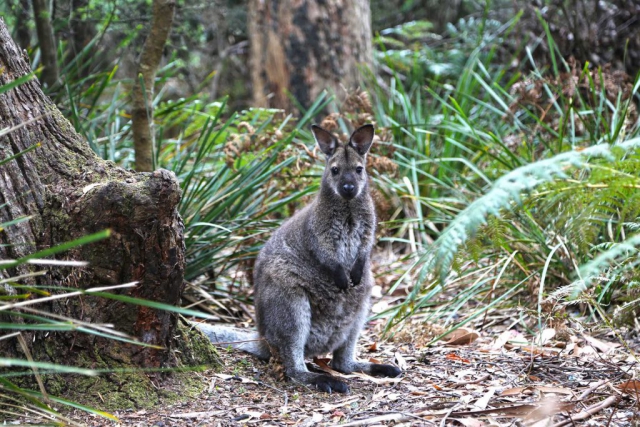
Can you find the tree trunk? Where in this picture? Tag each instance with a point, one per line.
(83, 32)
(70, 192)
(303, 47)
(142, 114)
(23, 35)
(47, 42)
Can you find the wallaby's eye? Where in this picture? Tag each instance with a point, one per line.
(359, 169)
(335, 170)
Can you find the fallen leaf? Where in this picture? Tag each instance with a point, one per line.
(548, 407)
(400, 361)
(514, 391)
(373, 347)
(603, 346)
(484, 400)
(461, 336)
(374, 360)
(544, 336)
(631, 387)
(539, 351)
(453, 356)
(326, 407)
(375, 380)
(507, 336)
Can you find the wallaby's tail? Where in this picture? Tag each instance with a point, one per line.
(246, 341)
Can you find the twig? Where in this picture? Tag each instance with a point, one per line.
(476, 381)
(590, 411)
(395, 416)
(591, 389)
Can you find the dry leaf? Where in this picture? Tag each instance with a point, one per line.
(461, 336)
(547, 408)
(544, 336)
(507, 336)
(373, 347)
(402, 364)
(631, 386)
(603, 346)
(484, 400)
(514, 391)
(326, 407)
(453, 356)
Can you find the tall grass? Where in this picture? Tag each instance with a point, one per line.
(520, 181)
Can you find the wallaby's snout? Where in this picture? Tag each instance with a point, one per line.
(345, 173)
(348, 191)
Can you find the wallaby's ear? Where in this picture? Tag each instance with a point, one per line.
(362, 138)
(326, 141)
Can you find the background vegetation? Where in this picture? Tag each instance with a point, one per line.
(507, 171)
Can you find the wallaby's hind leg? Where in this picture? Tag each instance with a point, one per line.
(344, 357)
(286, 327)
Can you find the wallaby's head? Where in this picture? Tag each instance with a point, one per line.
(345, 172)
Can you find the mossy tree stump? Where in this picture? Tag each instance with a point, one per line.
(70, 192)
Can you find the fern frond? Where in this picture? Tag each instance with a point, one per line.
(618, 252)
(504, 193)
(632, 226)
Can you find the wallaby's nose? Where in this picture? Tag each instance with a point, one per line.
(349, 188)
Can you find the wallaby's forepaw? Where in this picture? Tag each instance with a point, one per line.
(356, 277)
(329, 384)
(381, 370)
(357, 271)
(341, 280)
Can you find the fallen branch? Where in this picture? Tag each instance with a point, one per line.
(590, 411)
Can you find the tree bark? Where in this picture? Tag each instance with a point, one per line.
(303, 47)
(70, 192)
(142, 115)
(47, 42)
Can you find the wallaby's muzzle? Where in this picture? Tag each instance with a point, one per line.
(348, 191)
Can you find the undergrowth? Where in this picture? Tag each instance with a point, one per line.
(524, 184)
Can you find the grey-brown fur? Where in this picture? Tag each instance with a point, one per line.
(312, 278)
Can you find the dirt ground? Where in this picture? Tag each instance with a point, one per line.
(493, 377)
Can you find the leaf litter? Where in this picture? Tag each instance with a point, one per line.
(501, 377)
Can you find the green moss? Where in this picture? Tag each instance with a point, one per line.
(193, 349)
(125, 387)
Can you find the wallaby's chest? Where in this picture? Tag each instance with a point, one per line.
(348, 234)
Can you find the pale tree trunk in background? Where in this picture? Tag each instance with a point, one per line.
(304, 47)
(70, 192)
(142, 114)
(46, 41)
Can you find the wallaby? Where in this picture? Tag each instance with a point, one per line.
(313, 279)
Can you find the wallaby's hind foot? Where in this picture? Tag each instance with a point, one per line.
(383, 370)
(322, 382)
(373, 369)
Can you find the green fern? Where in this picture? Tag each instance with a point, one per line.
(613, 258)
(504, 193)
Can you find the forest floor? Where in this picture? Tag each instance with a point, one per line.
(493, 377)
